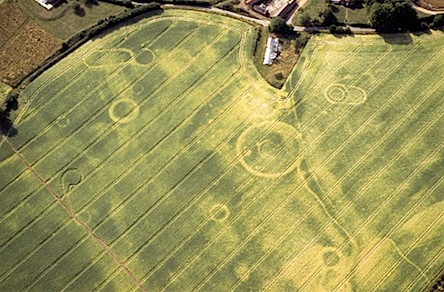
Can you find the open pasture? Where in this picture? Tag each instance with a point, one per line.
(156, 158)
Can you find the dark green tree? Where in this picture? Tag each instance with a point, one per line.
(5, 122)
(279, 25)
(393, 15)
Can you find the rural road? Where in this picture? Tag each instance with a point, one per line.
(262, 22)
(426, 11)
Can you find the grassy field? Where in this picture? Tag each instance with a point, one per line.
(62, 22)
(4, 90)
(157, 158)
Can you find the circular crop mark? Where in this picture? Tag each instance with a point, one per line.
(123, 110)
(63, 122)
(331, 258)
(269, 152)
(336, 93)
(145, 57)
(69, 179)
(137, 88)
(219, 212)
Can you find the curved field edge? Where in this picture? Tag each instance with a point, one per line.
(168, 145)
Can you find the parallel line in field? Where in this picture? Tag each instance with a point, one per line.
(253, 200)
(81, 60)
(359, 162)
(81, 241)
(393, 229)
(72, 81)
(122, 148)
(406, 252)
(132, 226)
(289, 264)
(183, 122)
(362, 159)
(145, 154)
(235, 251)
(386, 167)
(74, 217)
(36, 219)
(404, 217)
(176, 186)
(313, 62)
(232, 164)
(57, 74)
(104, 133)
(426, 268)
(120, 177)
(377, 176)
(330, 157)
(100, 110)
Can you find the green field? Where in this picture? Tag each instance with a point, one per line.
(156, 158)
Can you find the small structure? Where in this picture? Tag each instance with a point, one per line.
(48, 4)
(273, 8)
(343, 2)
(272, 50)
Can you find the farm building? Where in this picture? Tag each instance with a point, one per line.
(48, 4)
(273, 8)
(272, 50)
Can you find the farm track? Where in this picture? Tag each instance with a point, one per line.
(74, 217)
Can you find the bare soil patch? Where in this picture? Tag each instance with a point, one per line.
(23, 44)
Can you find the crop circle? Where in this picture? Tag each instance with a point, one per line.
(137, 88)
(123, 110)
(269, 149)
(336, 93)
(219, 212)
(145, 57)
(331, 258)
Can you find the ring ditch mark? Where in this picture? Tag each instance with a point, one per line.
(137, 88)
(62, 122)
(336, 93)
(69, 179)
(101, 58)
(345, 94)
(331, 258)
(356, 95)
(219, 212)
(145, 57)
(123, 110)
(269, 153)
